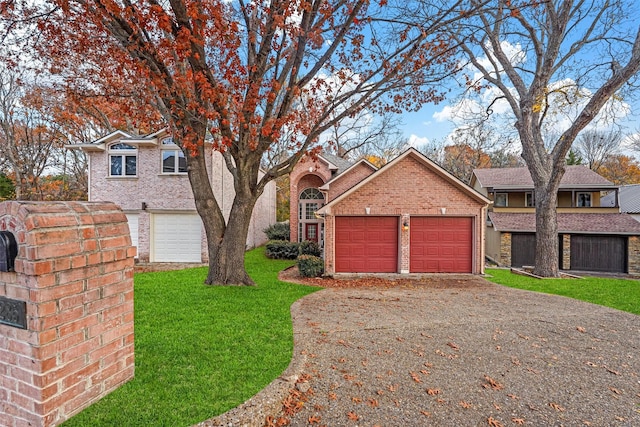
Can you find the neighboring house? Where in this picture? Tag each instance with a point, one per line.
(147, 177)
(628, 198)
(409, 216)
(593, 235)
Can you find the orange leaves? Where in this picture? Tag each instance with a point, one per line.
(491, 383)
(433, 391)
(556, 407)
(353, 416)
(494, 423)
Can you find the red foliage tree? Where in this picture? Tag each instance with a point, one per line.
(251, 77)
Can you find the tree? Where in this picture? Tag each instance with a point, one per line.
(595, 147)
(250, 77)
(621, 169)
(543, 59)
(574, 158)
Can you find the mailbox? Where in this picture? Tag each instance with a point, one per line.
(8, 251)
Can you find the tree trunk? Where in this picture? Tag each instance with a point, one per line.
(546, 264)
(226, 264)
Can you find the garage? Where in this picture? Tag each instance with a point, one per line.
(523, 249)
(132, 220)
(441, 245)
(176, 237)
(587, 253)
(366, 244)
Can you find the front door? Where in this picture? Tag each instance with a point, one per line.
(311, 232)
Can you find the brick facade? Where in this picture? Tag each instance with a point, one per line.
(170, 193)
(74, 270)
(409, 186)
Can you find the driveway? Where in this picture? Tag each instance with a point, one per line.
(460, 351)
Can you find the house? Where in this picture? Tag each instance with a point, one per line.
(409, 216)
(147, 177)
(593, 235)
(628, 198)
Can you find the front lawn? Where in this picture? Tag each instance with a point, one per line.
(201, 350)
(622, 294)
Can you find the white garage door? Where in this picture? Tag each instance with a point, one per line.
(176, 238)
(132, 219)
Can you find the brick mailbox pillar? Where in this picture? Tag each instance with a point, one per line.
(66, 309)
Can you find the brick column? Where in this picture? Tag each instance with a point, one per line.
(405, 244)
(505, 249)
(634, 255)
(74, 271)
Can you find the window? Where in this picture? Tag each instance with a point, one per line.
(123, 160)
(173, 159)
(310, 210)
(528, 199)
(583, 200)
(500, 200)
(311, 194)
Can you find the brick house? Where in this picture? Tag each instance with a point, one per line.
(593, 234)
(146, 176)
(409, 216)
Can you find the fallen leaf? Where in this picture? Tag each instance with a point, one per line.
(615, 390)
(465, 405)
(356, 400)
(352, 416)
(612, 371)
(453, 346)
(392, 387)
(380, 392)
(518, 421)
(593, 365)
(433, 391)
(494, 423)
(415, 377)
(342, 360)
(581, 329)
(495, 405)
(313, 419)
(513, 396)
(425, 372)
(620, 418)
(333, 396)
(373, 403)
(556, 407)
(492, 383)
(426, 413)
(400, 339)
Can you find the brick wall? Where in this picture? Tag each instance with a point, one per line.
(349, 179)
(75, 271)
(411, 187)
(307, 173)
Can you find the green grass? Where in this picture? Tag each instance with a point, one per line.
(201, 350)
(622, 294)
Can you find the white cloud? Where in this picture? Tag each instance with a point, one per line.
(417, 141)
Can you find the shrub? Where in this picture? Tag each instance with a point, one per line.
(281, 249)
(310, 248)
(310, 266)
(278, 231)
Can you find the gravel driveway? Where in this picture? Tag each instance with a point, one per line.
(459, 352)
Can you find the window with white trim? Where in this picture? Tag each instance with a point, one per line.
(173, 159)
(501, 200)
(529, 200)
(583, 200)
(123, 160)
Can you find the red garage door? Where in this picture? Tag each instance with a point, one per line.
(441, 245)
(366, 244)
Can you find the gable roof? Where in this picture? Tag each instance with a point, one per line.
(589, 223)
(343, 173)
(422, 159)
(628, 196)
(336, 163)
(575, 176)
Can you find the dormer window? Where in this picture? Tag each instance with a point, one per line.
(173, 159)
(583, 200)
(123, 160)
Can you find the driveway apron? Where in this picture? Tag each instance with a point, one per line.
(463, 352)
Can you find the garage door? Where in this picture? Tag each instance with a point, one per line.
(599, 253)
(366, 244)
(523, 249)
(132, 219)
(176, 238)
(441, 245)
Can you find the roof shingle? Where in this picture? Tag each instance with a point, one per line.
(520, 177)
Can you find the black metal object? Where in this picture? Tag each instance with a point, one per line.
(8, 251)
(13, 312)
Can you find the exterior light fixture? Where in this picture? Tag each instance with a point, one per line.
(405, 225)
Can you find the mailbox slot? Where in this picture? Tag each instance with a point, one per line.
(8, 251)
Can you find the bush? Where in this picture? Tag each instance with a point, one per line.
(278, 231)
(310, 266)
(310, 248)
(281, 249)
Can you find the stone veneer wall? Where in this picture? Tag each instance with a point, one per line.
(74, 270)
(505, 249)
(634, 255)
(566, 252)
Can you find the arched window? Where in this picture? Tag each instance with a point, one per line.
(309, 226)
(311, 194)
(123, 160)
